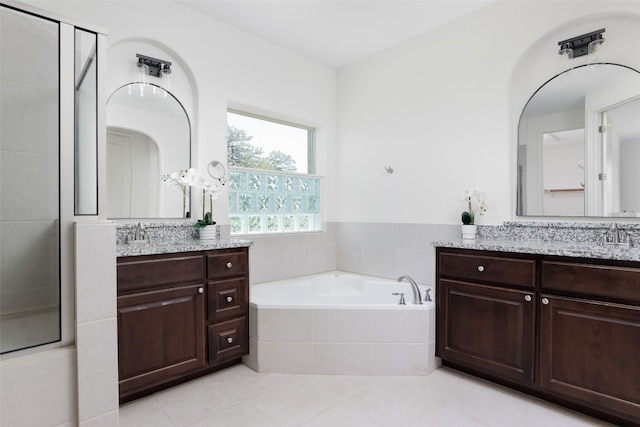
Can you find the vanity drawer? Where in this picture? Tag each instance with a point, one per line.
(227, 299)
(495, 269)
(155, 271)
(607, 281)
(228, 340)
(227, 263)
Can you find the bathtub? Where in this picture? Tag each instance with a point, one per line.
(340, 323)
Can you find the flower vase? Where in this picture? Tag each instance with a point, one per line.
(469, 231)
(210, 232)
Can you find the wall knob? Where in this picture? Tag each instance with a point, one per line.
(545, 301)
(480, 268)
(229, 299)
(229, 265)
(230, 340)
(527, 298)
(200, 290)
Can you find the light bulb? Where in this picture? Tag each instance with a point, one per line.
(595, 50)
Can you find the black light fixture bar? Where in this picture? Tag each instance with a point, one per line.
(580, 44)
(157, 67)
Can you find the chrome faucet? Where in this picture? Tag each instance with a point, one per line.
(140, 235)
(417, 298)
(615, 237)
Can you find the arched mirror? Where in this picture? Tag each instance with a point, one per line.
(579, 145)
(148, 135)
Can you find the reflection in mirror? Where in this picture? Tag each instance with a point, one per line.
(578, 142)
(148, 135)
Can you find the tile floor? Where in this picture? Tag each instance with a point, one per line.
(240, 397)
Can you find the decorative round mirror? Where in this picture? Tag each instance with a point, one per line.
(148, 135)
(579, 145)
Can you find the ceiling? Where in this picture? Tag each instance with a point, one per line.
(336, 33)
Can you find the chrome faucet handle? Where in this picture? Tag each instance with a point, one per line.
(427, 295)
(401, 294)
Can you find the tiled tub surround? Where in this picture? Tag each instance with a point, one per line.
(571, 239)
(333, 335)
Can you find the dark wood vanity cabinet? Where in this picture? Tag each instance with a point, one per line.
(180, 316)
(486, 313)
(564, 329)
(228, 314)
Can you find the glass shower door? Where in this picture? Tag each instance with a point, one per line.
(29, 181)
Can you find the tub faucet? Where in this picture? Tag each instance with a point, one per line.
(417, 298)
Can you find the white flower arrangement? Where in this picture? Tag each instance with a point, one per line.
(186, 178)
(469, 216)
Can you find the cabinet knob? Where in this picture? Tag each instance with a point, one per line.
(200, 290)
(229, 340)
(527, 298)
(229, 265)
(229, 299)
(480, 268)
(545, 301)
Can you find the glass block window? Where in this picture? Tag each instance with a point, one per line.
(262, 202)
(271, 184)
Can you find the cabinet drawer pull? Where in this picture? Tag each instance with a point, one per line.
(229, 265)
(200, 290)
(480, 268)
(527, 298)
(545, 301)
(229, 299)
(229, 340)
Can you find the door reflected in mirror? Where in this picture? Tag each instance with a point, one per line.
(578, 144)
(148, 135)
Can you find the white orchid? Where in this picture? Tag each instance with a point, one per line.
(468, 216)
(186, 178)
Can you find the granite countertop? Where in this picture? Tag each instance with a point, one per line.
(187, 245)
(579, 250)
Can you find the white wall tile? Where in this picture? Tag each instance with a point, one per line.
(95, 272)
(379, 261)
(285, 325)
(97, 368)
(323, 258)
(263, 265)
(350, 233)
(380, 234)
(350, 258)
(400, 359)
(293, 261)
(400, 326)
(416, 236)
(39, 390)
(416, 263)
(342, 359)
(342, 326)
(286, 357)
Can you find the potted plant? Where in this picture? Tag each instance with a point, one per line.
(207, 226)
(469, 228)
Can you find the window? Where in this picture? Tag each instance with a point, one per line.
(271, 186)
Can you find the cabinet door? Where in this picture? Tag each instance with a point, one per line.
(160, 336)
(487, 328)
(589, 351)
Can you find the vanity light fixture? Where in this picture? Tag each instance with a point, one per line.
(152, 66)
(148, 66)
(585, 44)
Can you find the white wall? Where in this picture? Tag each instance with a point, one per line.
(442, 109)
